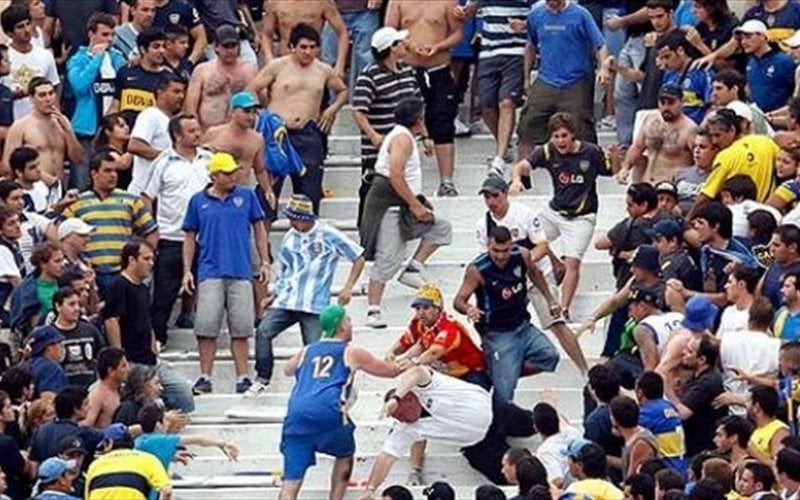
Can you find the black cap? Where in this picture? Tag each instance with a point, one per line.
(668, 228)
(667, 187)
(439, 491)
(227, 33)
(493, 184)
(670, 90)
(646, 257)
(640, 293)
(69, 445)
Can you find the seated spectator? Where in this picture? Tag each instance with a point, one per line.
(640, 443)
(104, 397)
(122, 472)
(55, 480)
(32, 300)
(660, 417)
(556, 435)
(755, 478)
(689, 181)
(587, 464)
(18, 470)
(46, 355)
(738, 194)
(786, 325)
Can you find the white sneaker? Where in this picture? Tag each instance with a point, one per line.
(412, 278)
(258, 389)
(462, 129)
(375, 320)
(497, 167)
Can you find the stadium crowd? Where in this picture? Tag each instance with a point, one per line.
(144, 145)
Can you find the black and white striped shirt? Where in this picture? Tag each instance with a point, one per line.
(378, 91)
(497, 39)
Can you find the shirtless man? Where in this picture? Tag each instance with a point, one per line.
(433, 31)
(45, 130)
(295, 85)
(214, 82)
(667, 138)
(286, 14)
(112, 368)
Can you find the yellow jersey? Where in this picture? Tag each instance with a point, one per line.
(751, 155)
(761, 439)
(125, 473)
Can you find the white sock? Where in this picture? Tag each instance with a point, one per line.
(203, 376)
(373, 309)
(241, 378)
(415, 265)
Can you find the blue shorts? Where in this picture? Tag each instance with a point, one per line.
(299, 450)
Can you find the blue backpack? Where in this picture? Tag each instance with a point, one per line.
(280, 157)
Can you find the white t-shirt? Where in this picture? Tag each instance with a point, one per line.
(8, 266)
(740, 211)
(523, 223)
(152, 127)
(24, 68)
(460, 414)
(173, 181)
(753, 352)
(733, 319)
(33, 232)
(551, 453)
(413, 170)
(44, 196)
(663, 325)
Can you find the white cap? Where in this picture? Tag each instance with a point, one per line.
(74, 225)
(741, 109)
(752, 26)
(793, 41)
(386, 37)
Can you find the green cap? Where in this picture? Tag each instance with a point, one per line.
(329, 319)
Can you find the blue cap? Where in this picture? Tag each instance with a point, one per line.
(668, 228)
(646, 257)
(243, 100)
(573, 449)
(700, 314)
(41, 338)
(116, 432)
(53, 468)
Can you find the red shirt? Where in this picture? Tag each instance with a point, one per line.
(461, 355)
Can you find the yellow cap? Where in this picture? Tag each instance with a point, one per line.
(222, 162)
(428, 295)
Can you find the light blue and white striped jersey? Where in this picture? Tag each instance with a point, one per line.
(308, 263)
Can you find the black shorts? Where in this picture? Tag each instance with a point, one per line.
(441, 103)
(500, 78)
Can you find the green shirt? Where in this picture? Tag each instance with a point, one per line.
(45, 291)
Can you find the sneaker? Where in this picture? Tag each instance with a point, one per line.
(462, 129)
(415, 478)
(375, 320)
(258, 389)
(497, 167)
(608, 123)
(185, 321)
(202, 386)
(412, 278)
(447, 188)
(244, 385)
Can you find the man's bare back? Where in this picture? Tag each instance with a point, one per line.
(211, 88)
(104, 401)
(43, 135)
(668, 146)
(245, 148)
(428, 23)
(295, 91)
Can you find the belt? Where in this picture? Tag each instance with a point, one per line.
(435, 68)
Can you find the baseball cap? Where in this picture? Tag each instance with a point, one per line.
(53, 468)
(74, 225)
(300, 207)
(439, 491)
(793, 41)
(222, 162)
(227, 34)
(668, 228)
(428, 295)
(575, 447)
(646, 257)
(70, 445)
(385, 37)
(741, 109)
(640, 293)
(493, 184)
(752, 26)
(667, 187)
(116, 432)
(43, 337)
(670, 90)
(700, 314)
(243, 100)
(330, 318)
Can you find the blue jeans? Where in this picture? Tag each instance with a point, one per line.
(361, 25)
(506, 353)
(626, 92)
(275, 321)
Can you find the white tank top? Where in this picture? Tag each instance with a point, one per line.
(663, 325)
(413, 165)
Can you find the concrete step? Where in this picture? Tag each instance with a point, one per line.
(204, 489)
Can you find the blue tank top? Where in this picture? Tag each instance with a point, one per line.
(503, 296)
(317, 402)
(661, 418)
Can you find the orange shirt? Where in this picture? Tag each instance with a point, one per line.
(461, 354)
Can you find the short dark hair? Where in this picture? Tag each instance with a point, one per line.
(561, 120)
(98, 159)
(708, 349)
(397, 492)
(669, 479)
(500, 234)
(667, 5)
(593, 460)
(43, 252)
(762, 473)
(149, 416)
(175, 31)
(675, 494)
(675, 40)
(732, 78)
(651, 384)
(734, 425)
(789, 235)
(175, 125)
(131, 251)
(7, 187)
(642, 485)
(725, 119)
(545, 419)
(625, 411)
(539, 492)
(749, 275)
(303, 30)
(719, 216)
(409, 111)
(69, 275)
(6, 213)
(762, 224)
(741, 186)
(643, 193)
(651, 466)
(489, 492)
(100, 19)
(514, 455)
(108, 359)
(63, 294)
(761, 313)
(530, 472)
(69, 399)
(166, 79)
(12, 16)
(604, 382)
(16, 380)
(36, 82)
(766, 398)
(707, 489)
(20, 157)
(149, 36)
(788, 462)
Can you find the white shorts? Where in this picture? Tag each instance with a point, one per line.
(540, 305)
(575, 233)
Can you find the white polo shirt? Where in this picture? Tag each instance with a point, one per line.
(173, 181)
(460, 413)
(152, 127)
